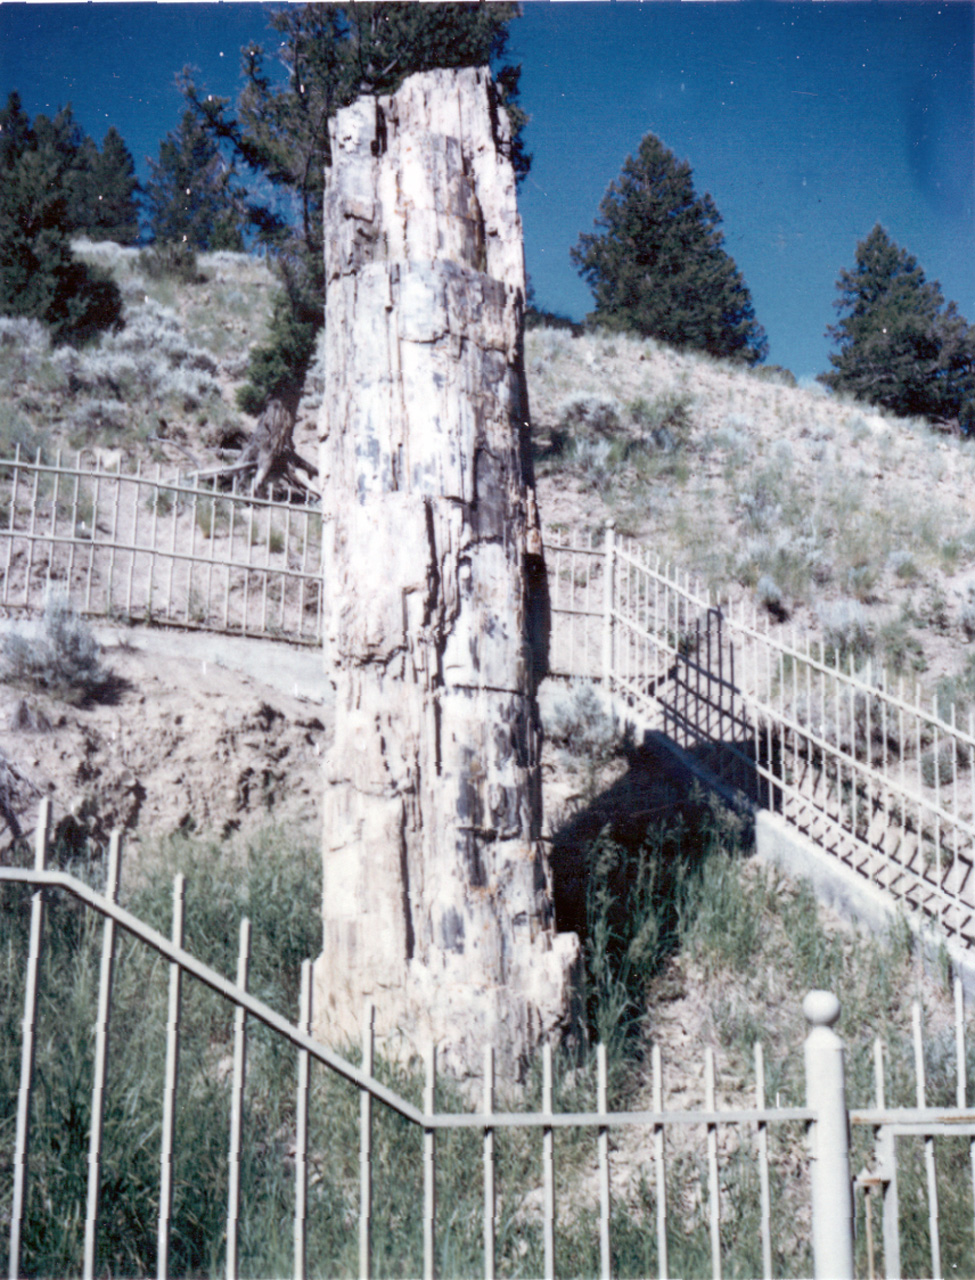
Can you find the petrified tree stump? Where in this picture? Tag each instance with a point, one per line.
(437, 894)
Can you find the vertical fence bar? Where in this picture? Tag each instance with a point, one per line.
(33, 528)
(169, 1086)
(548, 1166)
(365, 1146)
(490, 1208)
(174, 509)
(267, 569)
(136, 495)
(213, 552)
(73, 543)
(714, 1204)
(22, 1138)
(153, 536)
(962, 1068)
(101, 1060)
(232, 505)
(429, 1167)
(660, 1170)
(605, 1204)
(237, 1101)
(110, 591)
(929, 1162)
(832, 1191)
(249, 538)
(55, 500)
(887, 1163)
(609, 602)
(763, 1180)
(301, 1126)
(11, 521)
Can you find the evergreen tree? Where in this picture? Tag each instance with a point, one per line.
(39, 278)
(332, 53)
(192, 196)
(899, 345)
(111, 188)
(16, 135)
(657, 264)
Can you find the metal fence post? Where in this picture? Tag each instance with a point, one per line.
(22, 1140)
(832, 1190)
(103, 1019)
(609, 602)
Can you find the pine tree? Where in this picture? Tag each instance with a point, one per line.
(657, 264)
(331, 54)
(16, 134)
(112, 211)
(900, 346)
(39, 278)
(193, 197)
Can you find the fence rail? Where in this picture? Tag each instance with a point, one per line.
(827, 1199)
(871, 775)
(163, 548)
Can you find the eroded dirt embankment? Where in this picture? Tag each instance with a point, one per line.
(198, 732)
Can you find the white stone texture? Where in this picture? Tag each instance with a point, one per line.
(437, 894)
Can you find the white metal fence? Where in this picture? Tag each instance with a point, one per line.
(870, 774)
(816, 1198)
(158, 548)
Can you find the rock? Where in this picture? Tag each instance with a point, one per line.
(437, 894)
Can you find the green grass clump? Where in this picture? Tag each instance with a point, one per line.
(276, 885)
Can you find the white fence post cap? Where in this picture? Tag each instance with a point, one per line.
(821, 1008)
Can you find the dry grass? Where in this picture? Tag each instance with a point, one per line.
(779, 494)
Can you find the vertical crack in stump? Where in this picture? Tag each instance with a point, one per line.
(437, 895)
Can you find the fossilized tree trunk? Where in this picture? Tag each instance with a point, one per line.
(437, 895)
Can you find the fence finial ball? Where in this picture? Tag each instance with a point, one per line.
(821, 1008)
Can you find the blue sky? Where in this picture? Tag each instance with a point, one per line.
(806, 122)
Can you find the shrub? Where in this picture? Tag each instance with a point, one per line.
(65, 660)
(171, 260)
(903, 566)
(92, 417)
(581, 725)
(845, 629)
(777, 374)
(666, 419)
(957, 691)
(770, 596)
(150, 358)
(967, 618)
(939, 767)
(598, 415)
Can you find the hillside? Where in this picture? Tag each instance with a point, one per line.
(833, 519)
(851, 524)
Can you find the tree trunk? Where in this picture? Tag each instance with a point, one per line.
(437, 893)
(270, 452)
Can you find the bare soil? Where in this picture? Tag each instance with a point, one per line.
(181, 744)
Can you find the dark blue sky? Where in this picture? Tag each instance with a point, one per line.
(806, 122)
